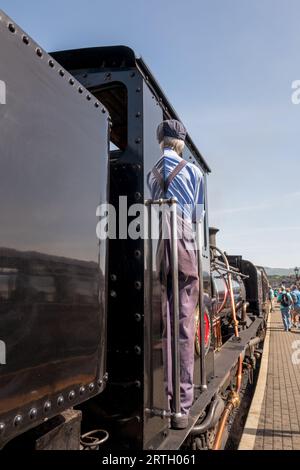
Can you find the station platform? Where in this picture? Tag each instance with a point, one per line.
(273, 421)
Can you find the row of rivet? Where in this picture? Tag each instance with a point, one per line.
(51, 63)
(33, 413)
(137, 253)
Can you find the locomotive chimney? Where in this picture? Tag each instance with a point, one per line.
(212, 236)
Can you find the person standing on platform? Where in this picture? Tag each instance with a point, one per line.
(285, 300)
(271, 298)
(296, 307)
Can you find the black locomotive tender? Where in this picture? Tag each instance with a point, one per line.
(80, 319)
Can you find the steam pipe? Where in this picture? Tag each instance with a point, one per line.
(244, 311)
(235, 322)
(221, 266)
(232, 403)
(213, 414)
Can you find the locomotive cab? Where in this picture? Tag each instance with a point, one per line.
(136, 367)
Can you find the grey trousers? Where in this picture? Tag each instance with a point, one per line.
(188, 300)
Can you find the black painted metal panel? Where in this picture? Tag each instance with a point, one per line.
(54, 171)
(135, 359)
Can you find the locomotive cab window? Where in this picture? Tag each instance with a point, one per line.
(114, 97)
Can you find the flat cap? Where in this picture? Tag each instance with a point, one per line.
(171, 128)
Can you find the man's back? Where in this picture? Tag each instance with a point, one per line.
(187, 187)
(285, 300)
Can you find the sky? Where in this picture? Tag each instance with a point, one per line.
(227, 66)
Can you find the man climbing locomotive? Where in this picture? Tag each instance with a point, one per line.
(173, 177)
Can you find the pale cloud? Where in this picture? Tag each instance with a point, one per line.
(288, 197)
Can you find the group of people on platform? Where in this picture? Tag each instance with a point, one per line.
(289, 302)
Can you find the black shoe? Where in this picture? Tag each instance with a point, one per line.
(179, 421)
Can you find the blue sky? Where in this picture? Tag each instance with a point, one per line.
(227, 67)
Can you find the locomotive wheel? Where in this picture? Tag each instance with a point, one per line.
(207, 331)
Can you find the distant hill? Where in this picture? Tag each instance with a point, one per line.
(280, 271)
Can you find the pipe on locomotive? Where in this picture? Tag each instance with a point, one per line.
(234, 399)
(224, 257)
(214, 413)
(232, 403)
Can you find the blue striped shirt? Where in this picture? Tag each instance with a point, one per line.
(187, 186)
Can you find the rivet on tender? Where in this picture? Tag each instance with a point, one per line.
(71, 81)
(137, 350)
(51, 63)
(18, 420)
(88, 97)
(61, 73)
(91, 387)
(97, 104)
(25, 40)
(138, 140)
(71, 395)
(80, 90)
(12, 28)
(138, 317)
(39, 52)
(138, 285)
(82, 390)
(47, 406)
(33, 413)
(60, 400)
(2, 427)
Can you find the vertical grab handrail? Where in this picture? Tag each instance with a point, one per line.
(172, 203)
(203, 380)
(150, 271)
(175, 288)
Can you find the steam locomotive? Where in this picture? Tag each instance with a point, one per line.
(80, 317)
